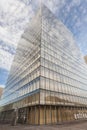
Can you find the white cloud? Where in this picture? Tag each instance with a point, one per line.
(13, 17)
(55, 4)
(2, 86)
(5, 59)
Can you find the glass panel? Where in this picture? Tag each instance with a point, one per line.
(48, 115)
(42, 115)
(54, 114)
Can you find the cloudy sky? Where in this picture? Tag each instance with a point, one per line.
(15, 14)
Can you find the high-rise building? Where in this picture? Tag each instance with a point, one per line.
(1, 91)
(85, 58)
(48, 77)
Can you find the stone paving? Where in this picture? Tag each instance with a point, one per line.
(75, 126)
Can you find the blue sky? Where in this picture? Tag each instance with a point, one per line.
(15, 14)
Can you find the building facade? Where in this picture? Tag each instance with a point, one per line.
(85, 58)
(48, 78)
(1, 91)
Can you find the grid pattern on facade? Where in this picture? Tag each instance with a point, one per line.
(48, 78)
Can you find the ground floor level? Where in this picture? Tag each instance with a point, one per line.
(45, 114)
(81, 125)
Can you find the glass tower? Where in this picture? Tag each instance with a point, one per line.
(48, 78)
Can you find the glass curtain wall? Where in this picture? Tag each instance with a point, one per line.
(48, 78)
